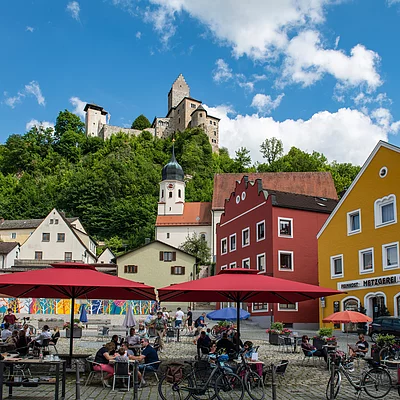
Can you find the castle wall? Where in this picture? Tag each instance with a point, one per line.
(108, 130)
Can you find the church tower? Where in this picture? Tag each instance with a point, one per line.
(172, 188)
(179, 90)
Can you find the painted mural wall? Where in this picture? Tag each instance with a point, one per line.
(57, 306)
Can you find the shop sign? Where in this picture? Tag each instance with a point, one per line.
(380, 281)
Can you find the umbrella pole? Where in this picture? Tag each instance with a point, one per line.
(238, 325)
(71, 338)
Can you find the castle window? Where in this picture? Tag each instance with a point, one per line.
(215, 133)
(210, 122)
(179, 120)
(178, 111)
(201, 115)
(170, 195)
(162, 193)
(215, 123)
(179, 193)
(192, 105)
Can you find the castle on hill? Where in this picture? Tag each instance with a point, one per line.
(183, 112)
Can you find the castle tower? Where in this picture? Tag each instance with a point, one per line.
(179, 90)
(172, 188)
(96, 117)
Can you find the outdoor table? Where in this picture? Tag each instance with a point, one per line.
(258, 365)
(15, 361)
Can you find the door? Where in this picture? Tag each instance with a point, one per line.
(378, 306)
(350, 305)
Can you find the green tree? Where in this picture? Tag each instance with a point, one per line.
(271, 149)
(141, 123)
(197, 247)
(67, 121)
(115, 244)
(242, 159)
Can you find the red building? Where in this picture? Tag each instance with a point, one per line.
(274, 232)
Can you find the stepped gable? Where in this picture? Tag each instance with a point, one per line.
(318, 184)
(196, 213)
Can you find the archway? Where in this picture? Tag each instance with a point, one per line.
(350, 304)
(375, 304)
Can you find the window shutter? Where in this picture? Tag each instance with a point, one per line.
(172, 270)
(174, 256)
(161, 256)
(183, 270)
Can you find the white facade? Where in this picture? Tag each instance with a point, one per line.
(7, 260)
(54, 239)
(95, 118)
(172, 197)
(175, 236)
(106, 257)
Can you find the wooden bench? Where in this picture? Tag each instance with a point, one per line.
(97, 322)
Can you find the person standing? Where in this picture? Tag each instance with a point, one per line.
(189, 319)
(179, 317)
(200, 323)
(10, 318)
(160, 325)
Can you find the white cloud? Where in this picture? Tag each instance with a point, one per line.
(264, 103)
(345, 135)
(31, 89)
(392, 2)
(223, 72)
(138, 35)
(74, 9)
(34, 122)
(362, 99)
(307, 61)
(383, 118)
(29, 29)
(337, 42)
(78, 105)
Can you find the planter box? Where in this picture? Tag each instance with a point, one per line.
(273, 339)
(77, 332)
(318, 343)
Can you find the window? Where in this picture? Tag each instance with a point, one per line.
(60, 237)
(261, 262)
(246, 263)
(287, 307)
(192, 105)
(366, 260)
(203, 236)
(45, 237)
(51, 221)
(170, 195)
(245, 237)
(390, 255)
(68, 256)
(232, 265)
(224, 267)
(38, 255)
(167, 235)
(179, 193)
(210, 122)
(167, 256)
(201, 115)
(215, 133)
(56, 221)
(13, 235)
(385, 211)
(285, 228)
(261, 231)
(162, 193)
(285, 260)
(337, 266)
(130, 269)
(224, 248)
(179, 120)
(260, 306)
(177, 270)
(354, 222)
(232, 242)
(215, 123)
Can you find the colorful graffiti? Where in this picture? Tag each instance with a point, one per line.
(57, 306)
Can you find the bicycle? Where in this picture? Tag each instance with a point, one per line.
(219, 384)
(376, 381)
(252, 382)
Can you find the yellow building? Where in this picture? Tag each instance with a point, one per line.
(358, 246)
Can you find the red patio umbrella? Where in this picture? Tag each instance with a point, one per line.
(243, 285)
(347, 316)
(72, 281)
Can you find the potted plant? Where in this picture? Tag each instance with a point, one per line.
(76, 331)
(274, 331)
(322, 335)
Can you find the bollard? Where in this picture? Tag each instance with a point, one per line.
(332, 388)
(135, 380)
(78, 382)
(273, 381)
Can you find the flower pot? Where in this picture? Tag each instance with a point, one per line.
(273, 338)
(76, 332)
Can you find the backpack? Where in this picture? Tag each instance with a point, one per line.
(159, 324)
(174, 372)
(197, 323)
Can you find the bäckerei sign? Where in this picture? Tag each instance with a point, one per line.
(389, 280)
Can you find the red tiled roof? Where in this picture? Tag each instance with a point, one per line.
(198, 213)
(319, 184)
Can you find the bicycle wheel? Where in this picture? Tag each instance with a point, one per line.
(175, 390)
(254, 385)
(229, 387)
(377, 383)
(336, 387)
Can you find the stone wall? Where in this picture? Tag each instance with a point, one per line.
(108, 130)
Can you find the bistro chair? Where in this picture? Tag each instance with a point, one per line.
(121, 371)
(101, 374)
(156, 364)
(53, 343)
(308, 356)
(280, 370)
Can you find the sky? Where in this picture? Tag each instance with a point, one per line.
(321, 75)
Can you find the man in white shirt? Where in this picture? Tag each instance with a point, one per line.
(178, 317)
(46, 334)
(5, 333)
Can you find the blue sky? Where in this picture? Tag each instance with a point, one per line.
(318, 74)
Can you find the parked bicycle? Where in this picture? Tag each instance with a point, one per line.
(252, 382)
(376, 381)
(219, 384)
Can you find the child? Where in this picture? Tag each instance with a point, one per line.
(121, 356)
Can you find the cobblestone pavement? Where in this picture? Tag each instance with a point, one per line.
(301, 381)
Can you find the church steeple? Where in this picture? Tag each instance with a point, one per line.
(172, 170)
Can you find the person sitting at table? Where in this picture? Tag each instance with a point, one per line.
(117, 342)
(236, 339)
(142, 331)
(128, 352)
(103, 358)
(213, 355)
(149, 355)
(308, 347)
(203, 344)
(226, 344)
(121, 355)
(247, 350)
(5, 333)
(22, 343)
(45, 334)
(132, 339)
(13, 339)
(361, 347)
(27, 330)
(55, 335)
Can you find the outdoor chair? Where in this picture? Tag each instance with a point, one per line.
(155, 365)
(280, 370)
(101, 374)
(121, 371)
(308, 356)
(281, 343)
(202, 352)
(156, 344)
(53, 342)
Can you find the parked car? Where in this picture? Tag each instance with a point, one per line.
(384, 326)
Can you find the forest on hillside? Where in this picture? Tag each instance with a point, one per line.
(113, 185)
